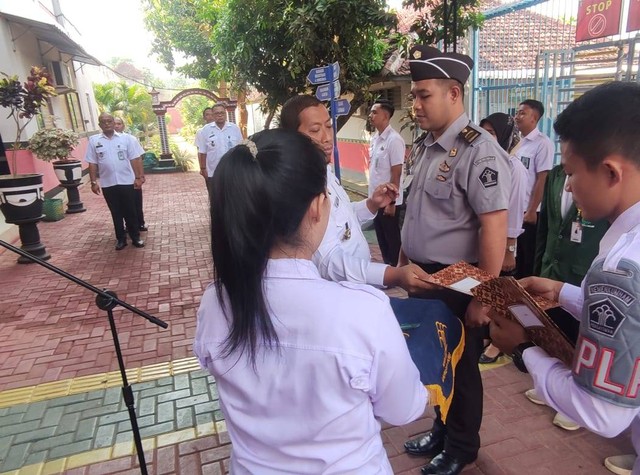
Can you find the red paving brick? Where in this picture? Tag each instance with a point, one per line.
(42, 310)
(50, 329)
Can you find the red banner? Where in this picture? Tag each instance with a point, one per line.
(598, 18)
(633, 20)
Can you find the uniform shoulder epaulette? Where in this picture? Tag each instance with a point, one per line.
(470, 133)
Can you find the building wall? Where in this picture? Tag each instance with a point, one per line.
(354, 138)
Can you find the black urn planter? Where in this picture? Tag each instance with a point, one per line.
(69, 172)
(21, 202)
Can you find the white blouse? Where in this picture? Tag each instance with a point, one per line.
(311, 405)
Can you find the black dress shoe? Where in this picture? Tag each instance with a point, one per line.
(484, 359)
(138, 243)
(121, 244)
(444, 464)
(429, 444)
(144, 227)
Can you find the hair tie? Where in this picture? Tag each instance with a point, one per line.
(251, 145)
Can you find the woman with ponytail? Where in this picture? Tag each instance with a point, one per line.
(304, 367)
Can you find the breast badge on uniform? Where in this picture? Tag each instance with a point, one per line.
(453, 152)
(488, 177)
(605, 318)
(526, 161)
(441, 178)
(347, 232)
(444, 166)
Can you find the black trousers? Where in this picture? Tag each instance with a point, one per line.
(121, 202)
(526, 250)
(462, 430)
(139, 211)
(388, 234)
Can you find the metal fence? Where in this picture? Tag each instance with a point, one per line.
(527, 49)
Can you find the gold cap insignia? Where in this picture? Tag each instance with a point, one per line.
(417, 54)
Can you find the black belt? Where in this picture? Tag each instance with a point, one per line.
(433, 267)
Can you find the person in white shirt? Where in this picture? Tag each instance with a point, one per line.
(119, 126)
(207, 118)
(306, 368)
(536, 152)
(214, 140)
(119, 163)
(386, 159)
(344, 252)
(601, 157)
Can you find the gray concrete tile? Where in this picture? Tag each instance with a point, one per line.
(52, 416)
(68, 423)
(157, 429)
(181, 381)
(165, 411)
(86, 428)
(70, 449)
(35, 435)
(67, 400)
(104, 436)
(173, 395)
(16, 457)
(184, 418)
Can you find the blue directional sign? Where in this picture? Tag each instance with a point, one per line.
(324, 74)
(323, 93)
(342, 107)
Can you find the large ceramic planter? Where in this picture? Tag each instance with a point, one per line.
(21, 197)
(21, 202)
(69, 172)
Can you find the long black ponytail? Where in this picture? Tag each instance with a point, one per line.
(259, 198)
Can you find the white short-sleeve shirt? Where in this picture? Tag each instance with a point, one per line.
(215, 142)
(312, 405)
(344, 252)
(386, 150)
(112, 155)
(536, 152)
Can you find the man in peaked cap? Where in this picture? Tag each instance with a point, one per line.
(459, 182)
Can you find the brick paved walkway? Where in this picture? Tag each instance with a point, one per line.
(50, 331)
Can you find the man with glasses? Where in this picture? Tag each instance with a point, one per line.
(214, 139)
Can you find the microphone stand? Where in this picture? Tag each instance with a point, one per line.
(106, 300)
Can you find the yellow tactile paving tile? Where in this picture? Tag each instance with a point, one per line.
(503, 360)
(83, 384)
(53, 467)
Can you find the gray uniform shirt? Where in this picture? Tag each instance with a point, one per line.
(461, 175)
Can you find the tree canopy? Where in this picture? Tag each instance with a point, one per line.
(270, 45)
(131, 102)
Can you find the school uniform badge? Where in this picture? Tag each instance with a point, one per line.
(604, 317)
(488, 177)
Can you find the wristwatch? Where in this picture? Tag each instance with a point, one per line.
(511, 248)
(517, 355)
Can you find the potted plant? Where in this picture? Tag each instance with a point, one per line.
(21, 196)
(55, 145)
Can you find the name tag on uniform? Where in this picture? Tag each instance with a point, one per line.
(121, 155)
(576, 232)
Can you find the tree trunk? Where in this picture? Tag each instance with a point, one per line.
(267, 123)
